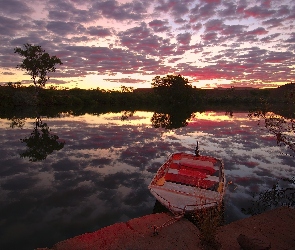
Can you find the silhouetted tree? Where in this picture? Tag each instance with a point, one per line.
(173, 89)
(37, 63)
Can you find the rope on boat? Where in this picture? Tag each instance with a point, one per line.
(174, 219)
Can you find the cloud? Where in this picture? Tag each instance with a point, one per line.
(258, 31)
(176, 8)
(13, 7)
(98, 31)
(184, 38)
(273, 22)
(64, 28)
(136, 37)
(159, 25)
(259, 12)
(134, 10)
(201, 12)
(125, 80)
(214, 25)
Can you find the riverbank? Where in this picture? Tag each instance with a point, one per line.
(274, 228)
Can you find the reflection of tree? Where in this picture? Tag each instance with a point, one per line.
(272, 198)
(283, 128)
(126, 114)
(17, 122)
(171, 119)
(41, 143)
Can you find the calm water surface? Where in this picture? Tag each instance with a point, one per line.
(101, 175)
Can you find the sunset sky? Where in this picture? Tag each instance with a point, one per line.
(111, 43)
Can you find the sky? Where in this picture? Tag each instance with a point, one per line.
(107, 44)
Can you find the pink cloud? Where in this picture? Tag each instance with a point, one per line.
(266, 3)
(214, 25)
(212, 1)
(258, 12)
(258, 31)
(184, 38)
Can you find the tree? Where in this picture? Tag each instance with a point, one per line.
(173, 89)
(170, 81)
(37, 63)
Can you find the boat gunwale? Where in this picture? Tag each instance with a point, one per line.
(165, 168)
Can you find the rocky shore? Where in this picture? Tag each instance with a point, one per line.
(274, 230)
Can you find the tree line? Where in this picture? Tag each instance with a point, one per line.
(170, 90)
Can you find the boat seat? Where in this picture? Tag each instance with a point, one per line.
(208, 170)
(190, 180)
(194, 173)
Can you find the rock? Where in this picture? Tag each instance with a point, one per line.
(247, 243)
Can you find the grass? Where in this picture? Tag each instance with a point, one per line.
(208, 221)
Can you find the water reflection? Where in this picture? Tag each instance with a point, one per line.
(281, 194)
(172, 119)
(101, 176)
(168, 119)
(283, 128)
(126, 114)
(41, 142)
(17, 122)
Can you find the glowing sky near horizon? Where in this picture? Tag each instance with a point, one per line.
(113, 43)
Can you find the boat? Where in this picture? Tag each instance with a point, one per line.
(189, 182)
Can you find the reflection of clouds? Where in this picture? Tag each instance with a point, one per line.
(101, 175)
(101, 162)
(153, 168)
(65, 165)
(136, 197)
(12, 166)
(19, 183)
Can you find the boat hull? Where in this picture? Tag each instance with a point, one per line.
(186, 183)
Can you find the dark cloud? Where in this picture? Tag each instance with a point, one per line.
(233, 31)
(229, 10)
(273, 22)
(142, 40)
(283, 10)
(159, 25)
(258, 12)
(184, 38)
(176, 8)
(64, 28)
(99, 31)
(258, 31)
(201, 12)
(19, 183)
(65, 165)
(214, 25)
(134, 10)
(13, 8)
(59, 15)
(291, 39)
(197, 26)
(9, 26)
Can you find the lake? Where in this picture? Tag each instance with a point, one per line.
(100, 172)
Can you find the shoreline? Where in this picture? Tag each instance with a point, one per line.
(275, 228)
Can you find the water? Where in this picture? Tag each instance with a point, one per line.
(100, 175)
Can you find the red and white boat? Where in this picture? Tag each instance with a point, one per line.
(187, 182)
